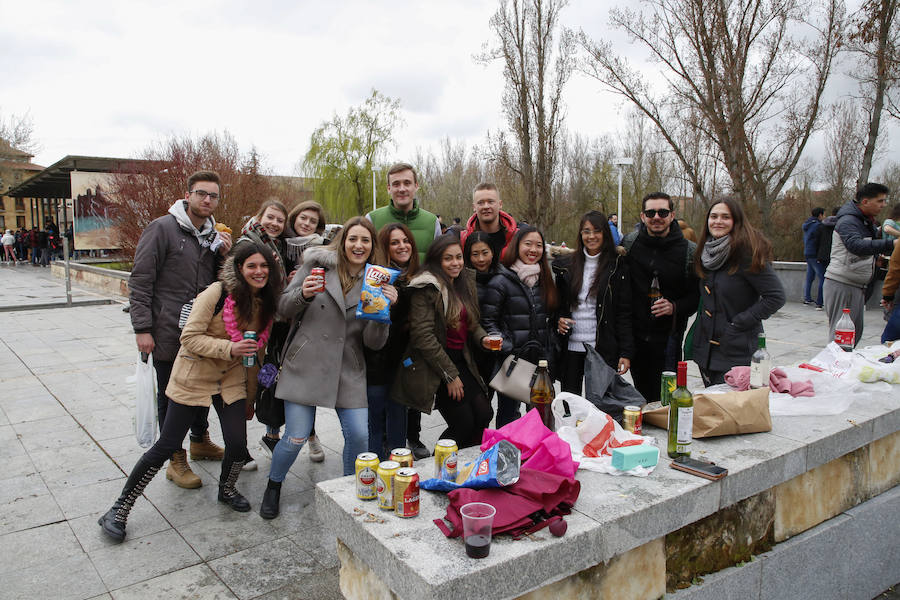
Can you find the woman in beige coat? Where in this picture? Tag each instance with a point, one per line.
(209, 370)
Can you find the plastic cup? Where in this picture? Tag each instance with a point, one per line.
(478, 520)
(495, 341)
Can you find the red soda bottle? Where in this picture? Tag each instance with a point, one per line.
(845, 332)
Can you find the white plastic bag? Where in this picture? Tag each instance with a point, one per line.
(145, 415)
(587, 424)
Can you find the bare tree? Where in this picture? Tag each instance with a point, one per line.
(875, 38)
(748, 70)
(447, 180)
(18, 130)
(843, 151)
(536, 73)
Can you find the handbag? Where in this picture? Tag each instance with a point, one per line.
(517, 375)
(606, 389)
(269, 409)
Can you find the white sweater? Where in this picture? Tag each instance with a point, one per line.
(585, 313)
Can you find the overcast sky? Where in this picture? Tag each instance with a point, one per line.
(109, 78)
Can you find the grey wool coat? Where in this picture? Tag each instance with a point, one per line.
(324, 363)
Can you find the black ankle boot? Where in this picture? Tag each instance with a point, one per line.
(272, 496)
(228, 494)
(113, 522)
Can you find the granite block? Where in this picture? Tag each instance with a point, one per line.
(735, 583)
(22, 487)
(227, 533)
(55, 458)
(76, 474)
(826, 437)
(45, 544)
(70, 578)
(29, 512)
(193, 582)
(324, 586)
(871, 545)
(137, 560)
(883, 468)
(808, 566)
(265, 568)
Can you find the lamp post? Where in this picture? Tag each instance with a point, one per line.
(374, 193)
(621, 162)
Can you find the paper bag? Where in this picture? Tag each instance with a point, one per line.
(723, 414)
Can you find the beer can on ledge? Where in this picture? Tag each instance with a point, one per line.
(666, 387)
(250, 361)
(366, 465)
(632, 419)
(384, 484)
(406, 492)
(403, 456)
(445, 460)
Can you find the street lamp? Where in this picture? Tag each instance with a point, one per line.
(621, 162)
(374, 193)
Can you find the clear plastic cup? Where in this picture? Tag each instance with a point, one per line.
(478, 520)
(495, 341)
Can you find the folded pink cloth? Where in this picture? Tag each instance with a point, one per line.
(739, 379)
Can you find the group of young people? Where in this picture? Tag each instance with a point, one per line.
(454, 289)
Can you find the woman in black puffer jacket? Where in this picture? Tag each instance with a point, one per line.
(517, 303)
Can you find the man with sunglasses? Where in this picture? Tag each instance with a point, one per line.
(177, 257)
(659, 250)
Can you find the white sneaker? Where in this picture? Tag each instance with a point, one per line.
(250, 465)
(316, 454)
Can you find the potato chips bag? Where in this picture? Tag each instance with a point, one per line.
(373, 304)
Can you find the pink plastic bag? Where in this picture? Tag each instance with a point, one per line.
(542, 450)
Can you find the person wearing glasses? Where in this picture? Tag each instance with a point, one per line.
(658, 251)
(177, 257)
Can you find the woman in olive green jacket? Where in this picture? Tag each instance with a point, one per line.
(437, 367)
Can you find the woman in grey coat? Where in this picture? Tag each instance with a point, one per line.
(738, 290)
(324, 364)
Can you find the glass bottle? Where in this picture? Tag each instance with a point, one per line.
(681, 416)
(654, 294)
(542, 394)
(760, 364)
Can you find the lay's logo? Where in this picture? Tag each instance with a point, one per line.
(483, 467)
(377, 276)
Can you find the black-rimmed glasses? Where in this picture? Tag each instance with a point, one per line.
(203, 194)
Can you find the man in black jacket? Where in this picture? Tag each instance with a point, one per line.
(658, 249)
(174, 261)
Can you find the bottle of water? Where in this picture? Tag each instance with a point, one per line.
(845, 332)
(760, 365)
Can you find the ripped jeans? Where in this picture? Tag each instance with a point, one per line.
(299, 420)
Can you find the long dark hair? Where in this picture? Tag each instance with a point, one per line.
(548, 287)
(607, 251)
(241, 291)
(474, 238)
(747, 242)
(460, 294)
(384, 242)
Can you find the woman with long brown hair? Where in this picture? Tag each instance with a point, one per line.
(444, 327)
(738, 290)
(517, 303)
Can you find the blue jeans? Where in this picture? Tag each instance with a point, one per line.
(892, 328)
(387, 419)
(299, 420)
(813, 269)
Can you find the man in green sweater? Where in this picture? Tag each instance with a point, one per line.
(404, 208)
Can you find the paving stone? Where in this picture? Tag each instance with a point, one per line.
(320, 542)
(107, 423)
(79, 474)
(17, 466)
(28, 513)
(227, 533)
(144, 520)
(192, 583)
(18, 412)
(45, 544)
(46, 426)
(141, 559)
(264, 568)
(22, 487)
(180, 506)
(86, 499)
(54, 458)
(71, 578)
(37, 441)
(324, 586)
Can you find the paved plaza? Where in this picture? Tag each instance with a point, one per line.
(67, 443)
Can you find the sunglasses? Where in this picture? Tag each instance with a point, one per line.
(662, 212)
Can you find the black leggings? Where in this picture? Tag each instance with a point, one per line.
(199, 424)
(179, 418)
(467, 418)
(572, 371)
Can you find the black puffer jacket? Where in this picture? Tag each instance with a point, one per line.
(614, 338)
(671, 258)
(517, 312)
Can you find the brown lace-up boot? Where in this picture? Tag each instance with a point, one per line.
(203, 448)
(179, 472)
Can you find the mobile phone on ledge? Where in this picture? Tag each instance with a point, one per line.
(700, 468)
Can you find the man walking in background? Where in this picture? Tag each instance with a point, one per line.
(175, 260)
(814, 269)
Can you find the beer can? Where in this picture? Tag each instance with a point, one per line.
(384, 484)
(445, 460)
(320, 273)
(632, 419)
(666, 387)
(406, 492)
(403, 456)
(366, 465)
(250, 361)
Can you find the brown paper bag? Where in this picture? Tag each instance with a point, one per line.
(723, 414)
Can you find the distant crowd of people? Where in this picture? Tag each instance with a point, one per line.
(39, 245)
(195, 292)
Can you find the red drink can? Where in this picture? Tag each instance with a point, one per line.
(403, 456)
(320, 273)
(406, 492)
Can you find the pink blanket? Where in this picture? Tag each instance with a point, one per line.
(739, 379)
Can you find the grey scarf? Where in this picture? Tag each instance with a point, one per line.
(715, 252)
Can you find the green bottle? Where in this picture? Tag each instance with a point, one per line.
(681, 416)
